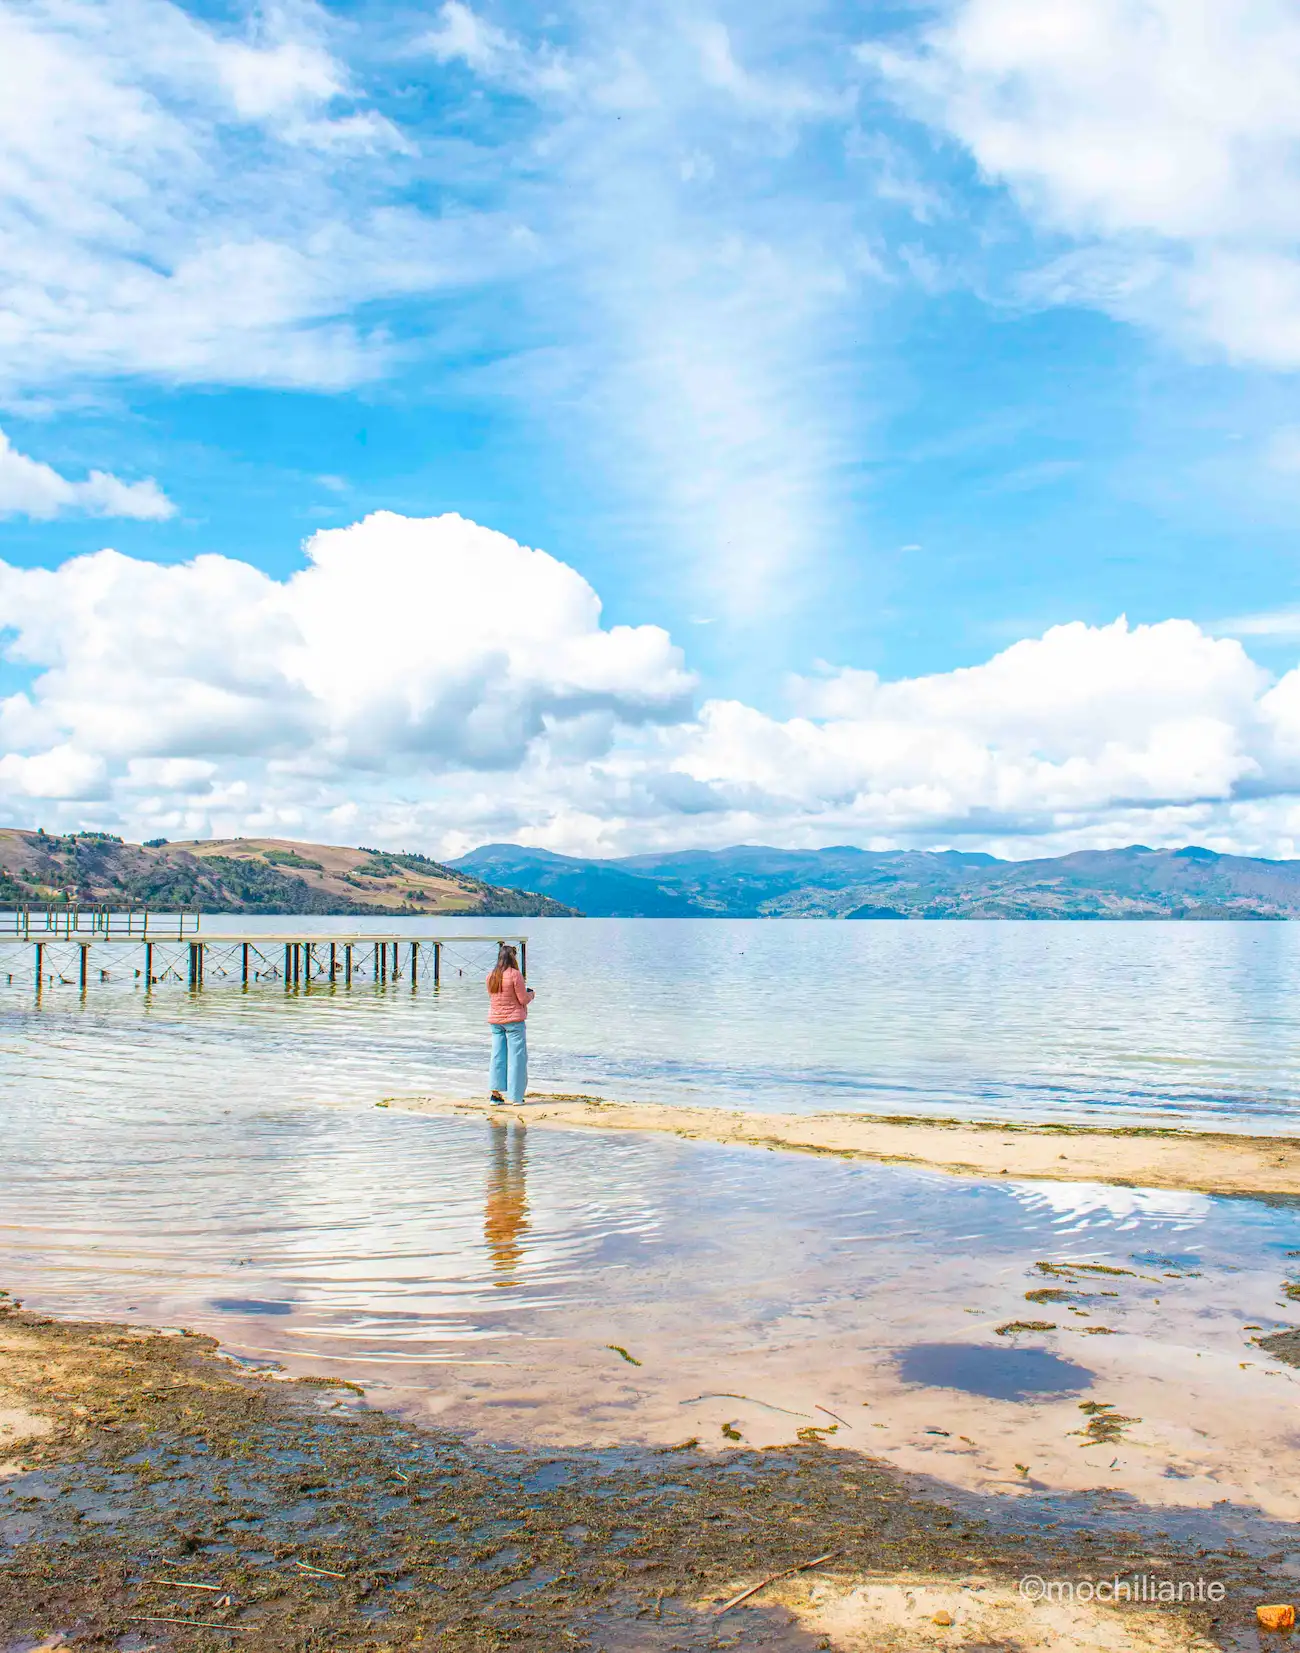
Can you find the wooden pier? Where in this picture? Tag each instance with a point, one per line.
(173, 946)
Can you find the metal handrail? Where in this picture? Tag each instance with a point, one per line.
(78, 922)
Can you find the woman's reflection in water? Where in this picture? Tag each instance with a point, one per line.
(505, 1217)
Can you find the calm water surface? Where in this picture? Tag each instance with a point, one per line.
(214, 1159)
(1174, 1023)
(403, 1236)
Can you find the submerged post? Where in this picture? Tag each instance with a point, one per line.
(333, 960)
(415, 964)
(40, 965)
(245, 965)
(437, 963)
(84, 951)
(288, 966)
(347, 964)
(148, 965)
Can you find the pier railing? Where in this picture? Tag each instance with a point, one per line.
(161, 942)
(77, 922)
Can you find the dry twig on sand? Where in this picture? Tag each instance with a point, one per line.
(772, 1578)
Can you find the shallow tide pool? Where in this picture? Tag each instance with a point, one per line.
(571, 1288)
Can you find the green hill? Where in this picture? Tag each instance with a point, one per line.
(249, 875)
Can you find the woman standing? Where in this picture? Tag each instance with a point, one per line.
(508, 1001)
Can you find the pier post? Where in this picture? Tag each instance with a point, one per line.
(334, 969)
(84, 952)
(148, 965)
(437, 963)
(415, 964)
(396, 971)
(288, 967)
(523, 959)
(194, 964)
(40, 965)
(347, 964)
(245, 965)
(309, 952)
(202, 960)
(383, 960)
(297, 963)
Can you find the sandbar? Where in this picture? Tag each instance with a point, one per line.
(1132, 1156)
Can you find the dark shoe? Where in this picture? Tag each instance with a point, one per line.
(497, 1099)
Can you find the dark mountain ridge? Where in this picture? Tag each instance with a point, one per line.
(755, 881)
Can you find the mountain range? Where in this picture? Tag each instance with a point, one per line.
(753, 882)
(271, 875)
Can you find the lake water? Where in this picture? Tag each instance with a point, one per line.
(214, 1159)
(1137, 1023)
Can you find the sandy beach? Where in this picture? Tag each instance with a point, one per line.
(1203, 1162)
(152, 1496)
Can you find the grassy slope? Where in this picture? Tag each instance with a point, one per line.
(266, 875)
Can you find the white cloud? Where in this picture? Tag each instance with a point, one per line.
(404, 649)
(62, 774)
(1082, 719)
(435, 683)
(32, 489)
(220, 203)
(462, 36)
(1163, 136)
(201, 205)
(701, 274)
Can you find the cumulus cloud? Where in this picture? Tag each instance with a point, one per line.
(435, 683)
(1162, 136)
(1081, 720)
(32, 489)
(405, 649)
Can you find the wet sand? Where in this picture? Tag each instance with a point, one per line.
(155, 1497)
(1007, 1383)
(1123, 1156)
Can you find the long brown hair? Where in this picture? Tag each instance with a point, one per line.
(507, 959)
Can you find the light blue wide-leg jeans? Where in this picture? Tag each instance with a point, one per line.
(509, 1071)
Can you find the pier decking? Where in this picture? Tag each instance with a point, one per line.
(173, 946)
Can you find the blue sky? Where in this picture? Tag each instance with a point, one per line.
(827, 340)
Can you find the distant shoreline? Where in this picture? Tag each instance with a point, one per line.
(1154, 1157)
(746, 881)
